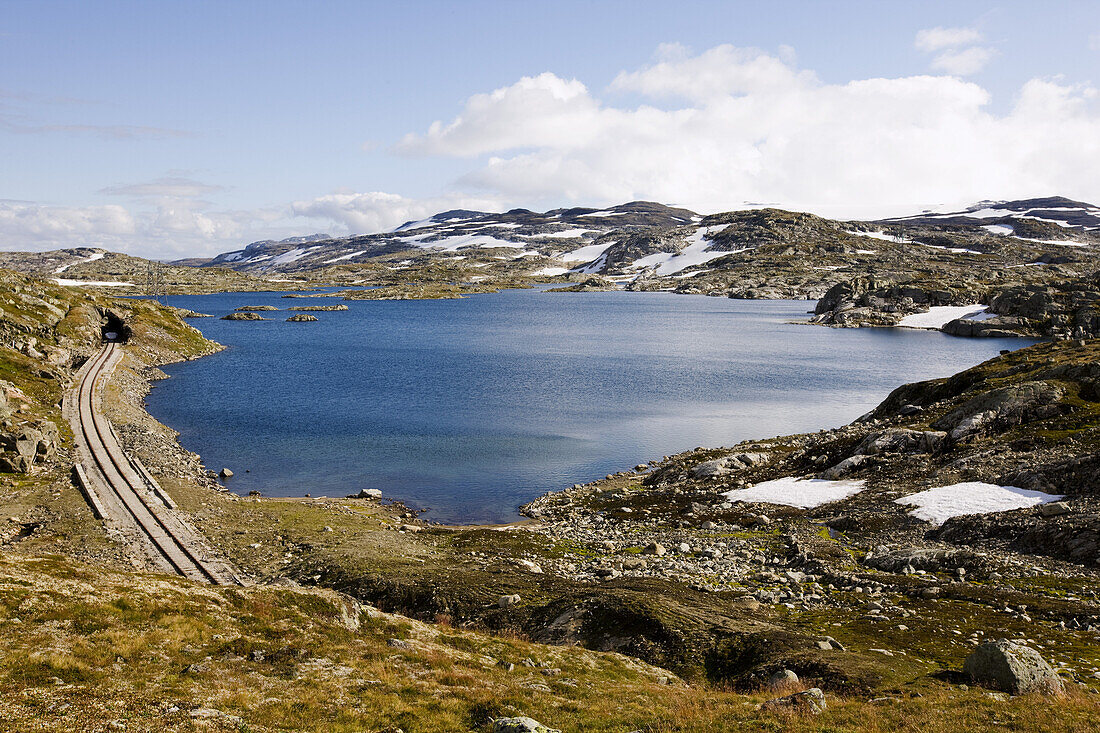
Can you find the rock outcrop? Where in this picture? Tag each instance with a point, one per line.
(1011, 667)
(27, 446)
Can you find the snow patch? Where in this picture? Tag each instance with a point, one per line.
(939, 316)
(551, 271)
(593, 267)
(999, 229)
(292, 256)
(79, 283)
(345, 257)
(956, 250)
(1058, 242)
(585, 254)
(693, 255)
(451, 244)
(567, 233)
(973, 497)
(883, 236)
(95, 256)
(804, 493)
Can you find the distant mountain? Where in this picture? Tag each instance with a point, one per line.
(572, 237)
(997, 215)
(756, 253)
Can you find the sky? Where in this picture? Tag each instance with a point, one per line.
(183, 129)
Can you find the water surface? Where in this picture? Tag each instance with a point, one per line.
(471, 407)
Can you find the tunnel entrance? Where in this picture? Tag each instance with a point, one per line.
(115, 329)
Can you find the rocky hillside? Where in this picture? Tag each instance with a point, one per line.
(124, 274)
(761, 253)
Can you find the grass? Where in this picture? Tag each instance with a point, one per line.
(81, 649)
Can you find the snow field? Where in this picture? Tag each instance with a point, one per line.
(975, 497)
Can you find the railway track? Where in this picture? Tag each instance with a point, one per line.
(126, 495)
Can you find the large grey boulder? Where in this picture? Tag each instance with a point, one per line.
(811, 700)
(783, 679)
(728, 464)
(843, 468)
(901, 440)
(521, 724)
(1011, 667)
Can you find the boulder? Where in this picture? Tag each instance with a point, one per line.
(529, 566)
(369, 494)
(28, 446)
(509, 600)
(246, 316)
(1054, 509)
(654, 548)
(997, 327)
(812, 701)
(931, 560)
(728, 464)
(209, 715)
(226, 473)
(521, 724)
(783, 679)
(1011, 667)
(902, 440)
(843, 468)
(301, 318)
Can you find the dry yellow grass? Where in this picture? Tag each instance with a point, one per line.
(82, 648)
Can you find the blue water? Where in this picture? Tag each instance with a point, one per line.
(471, 407)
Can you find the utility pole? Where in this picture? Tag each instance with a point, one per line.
(155, 286)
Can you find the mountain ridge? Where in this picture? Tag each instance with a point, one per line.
(658, 235)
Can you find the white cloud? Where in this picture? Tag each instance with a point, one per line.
(167, 187)
(755, 127)
(959, 52)
(167, 220)
(26, 220)
(963, 62)
(722, 70)
(378, 211)
(555, 110)
(939, 38)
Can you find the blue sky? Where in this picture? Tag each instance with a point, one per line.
(177, 128)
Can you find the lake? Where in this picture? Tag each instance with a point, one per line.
(472, 407)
